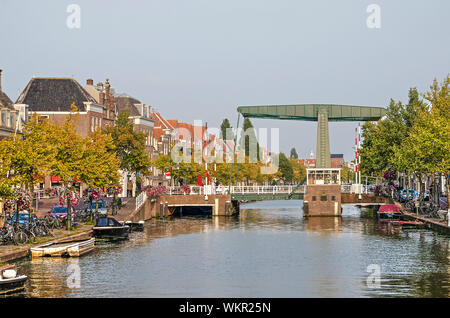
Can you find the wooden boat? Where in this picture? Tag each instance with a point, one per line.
(71, 249)
(110, 229)
(390, 213)
(9, 280)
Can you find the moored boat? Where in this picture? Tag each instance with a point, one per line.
(135, 226)
(9, 280)
(390, 213)
(110, 229)
(71, 249)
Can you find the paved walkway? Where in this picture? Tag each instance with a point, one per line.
(128, 207)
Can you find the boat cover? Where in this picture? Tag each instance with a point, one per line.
(388, 208)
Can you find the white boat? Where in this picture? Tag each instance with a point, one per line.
(9, 280)
(72, 249)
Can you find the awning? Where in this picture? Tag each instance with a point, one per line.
(55, 179)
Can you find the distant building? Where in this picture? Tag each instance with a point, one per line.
(140, 115)
(162, 132)
(51, 98)
(13, 116)
(337, 160)
(308, 163)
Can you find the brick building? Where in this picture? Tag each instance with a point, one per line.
(51, 98)
(337, 160)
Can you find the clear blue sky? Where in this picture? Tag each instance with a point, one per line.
(200, 59)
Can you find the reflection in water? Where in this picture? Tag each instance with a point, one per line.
(269, 250)
(324, 225)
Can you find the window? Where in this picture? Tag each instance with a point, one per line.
(3, 117)
(113, 222)
(323, 198)
(314, 198)
(42, 117)
(333, 198)
(102, 222)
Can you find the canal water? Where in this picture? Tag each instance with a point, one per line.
(269, 250)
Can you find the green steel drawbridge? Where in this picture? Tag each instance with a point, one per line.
(322, 113)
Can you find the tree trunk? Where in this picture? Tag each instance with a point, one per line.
(448, 192)
(69, 215)
(448, 198)
(115, 205)
(91, 215)
(421, 186)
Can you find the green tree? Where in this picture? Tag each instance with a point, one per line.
(223, 130)
(32, 152)
(381, 140)
(99, 149)
(285, 167)
(129, 145)
(248, 137)
(293, 154)
(299, 170)
(427, 147)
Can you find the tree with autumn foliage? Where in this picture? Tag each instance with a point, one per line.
(30, 154)
(413, 138)
(47, 148)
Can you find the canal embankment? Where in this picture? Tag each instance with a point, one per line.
(10, 253)
(433, 224)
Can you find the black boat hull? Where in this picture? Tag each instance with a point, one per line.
(12, 284)
(108, 232)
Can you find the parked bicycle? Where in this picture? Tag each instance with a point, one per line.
(410, 205)
(7, 235)
(54, 222)
(429, 209)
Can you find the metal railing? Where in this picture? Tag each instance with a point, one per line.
(211, 189)
(358, 188)
(140, 199)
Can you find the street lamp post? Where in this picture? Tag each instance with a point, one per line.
(69, 212)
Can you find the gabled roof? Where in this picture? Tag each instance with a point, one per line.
(160, 120)
(5, 101)
(54, 94)
(127, 103)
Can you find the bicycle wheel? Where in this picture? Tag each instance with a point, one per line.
(411, 206)
(45, 231)
(20, 237)
(31, 236)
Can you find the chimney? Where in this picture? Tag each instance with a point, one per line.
(0, 80)
(89, 81)
(102, 98)
(107, 86)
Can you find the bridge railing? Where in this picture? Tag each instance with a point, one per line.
(211, 189)
(357, 188)
(140, 199)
